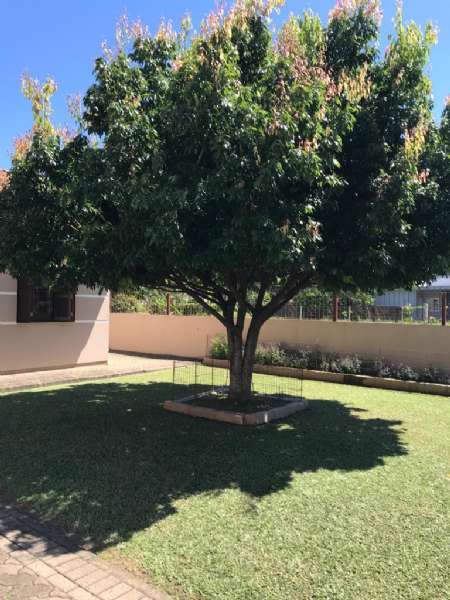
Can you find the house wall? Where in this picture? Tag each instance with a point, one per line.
(396, 298)
(35, 346)
(417, 345)
(434, 300)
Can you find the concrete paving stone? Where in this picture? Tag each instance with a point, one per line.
(38, 590)
(115, 592)
(66, 567)
(29, 538)
(84, 554)
(132, 595)
(6, 569)
(62, 582)
(92, 578)
(19, 579)
(5, 544)
(40, 569)
(85, 569)
(39, 548)
(103, 585)
(80, 594)
(12, 561)
(10, 533)
(118, 364)
(53, 551)
(23, 556)
(59, 559)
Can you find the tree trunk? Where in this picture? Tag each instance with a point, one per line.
(241, 356)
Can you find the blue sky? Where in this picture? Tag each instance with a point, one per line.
(61, 39)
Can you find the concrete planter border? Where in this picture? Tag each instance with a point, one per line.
(437, 389)
(235, 417)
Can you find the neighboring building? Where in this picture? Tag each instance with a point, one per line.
(426, 300)
(40, 330)
(3, 178)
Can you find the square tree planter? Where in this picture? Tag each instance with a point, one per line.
(287, 407)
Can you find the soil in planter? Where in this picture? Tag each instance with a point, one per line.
(258, 402)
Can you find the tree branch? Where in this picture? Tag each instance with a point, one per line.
(200, 298)
(287, 292)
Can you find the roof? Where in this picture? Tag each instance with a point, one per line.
(438, 284)
(3, 178)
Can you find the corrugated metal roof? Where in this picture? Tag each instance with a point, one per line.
(440, 283)
(4, 176)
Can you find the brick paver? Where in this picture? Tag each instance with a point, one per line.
(118, 364)
(37, 561)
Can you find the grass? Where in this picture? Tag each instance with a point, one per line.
(349, 500)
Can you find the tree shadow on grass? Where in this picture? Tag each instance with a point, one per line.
(105, 460)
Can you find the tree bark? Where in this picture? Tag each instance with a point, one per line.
(242, 357)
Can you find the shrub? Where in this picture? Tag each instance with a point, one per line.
(350, 365)
(298, 358)
(319, 361)
(126, 303)
(407, 312)
(286, 356)
(219, 348)
(334, 363)
(379, 368)
(434, 375)
(270, 355)
(405, 372)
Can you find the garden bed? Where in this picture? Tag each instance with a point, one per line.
(362, 380)
(214, 405)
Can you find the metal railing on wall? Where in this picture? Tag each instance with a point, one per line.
(345, 309)
(322, 308)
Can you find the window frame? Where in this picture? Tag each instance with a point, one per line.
(26, 302)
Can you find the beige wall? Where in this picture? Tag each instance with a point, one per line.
(31, 346)
(163, 335)
(418, 345)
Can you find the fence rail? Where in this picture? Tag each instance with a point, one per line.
(348, 310)
(335, 309)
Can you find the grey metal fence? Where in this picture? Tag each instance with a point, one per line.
(320, 308)
(351, 310)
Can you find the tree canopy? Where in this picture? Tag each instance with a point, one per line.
(241, 166)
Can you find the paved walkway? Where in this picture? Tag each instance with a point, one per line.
(118, 364)
(38, 562)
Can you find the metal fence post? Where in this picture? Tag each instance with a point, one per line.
(335, 307)
(444, 308)
(173, 381)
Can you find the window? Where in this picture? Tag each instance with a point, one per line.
(37, 304)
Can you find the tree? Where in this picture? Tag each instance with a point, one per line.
(241, 168)
(42, 220)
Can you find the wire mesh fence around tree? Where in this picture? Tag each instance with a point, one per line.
(192, 378)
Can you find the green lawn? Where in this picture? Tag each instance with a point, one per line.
(350, 499)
